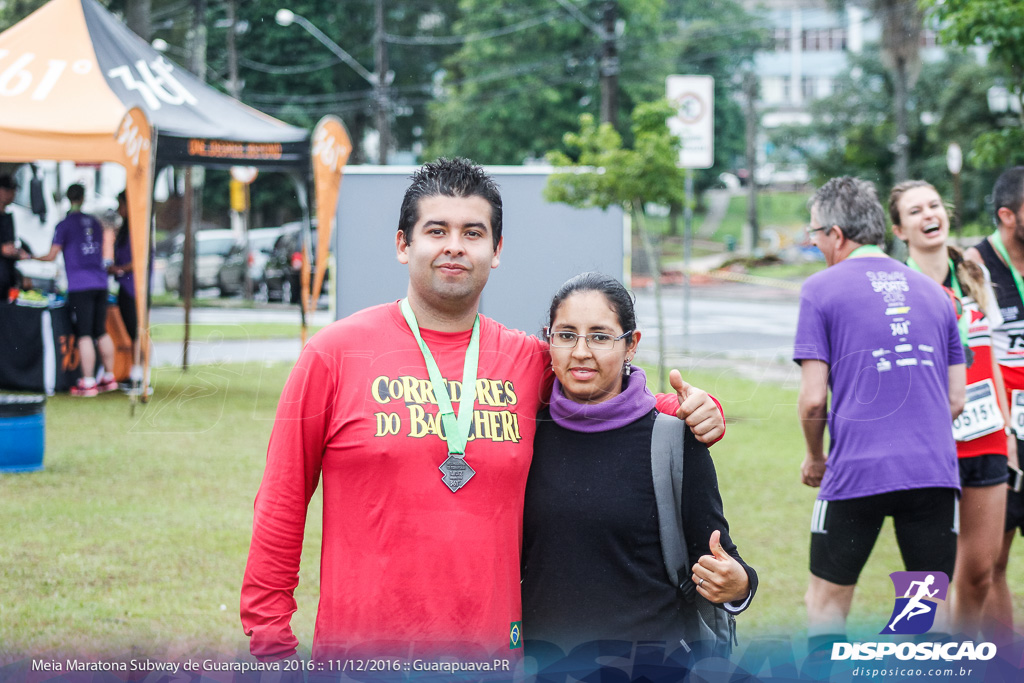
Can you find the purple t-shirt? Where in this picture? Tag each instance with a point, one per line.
(889, 335)
(80, 237)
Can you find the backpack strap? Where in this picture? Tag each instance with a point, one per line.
(667, 470)
(711, 629)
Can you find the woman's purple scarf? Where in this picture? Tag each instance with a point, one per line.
(634, 402)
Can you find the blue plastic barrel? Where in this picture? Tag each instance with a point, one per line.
(22, 432)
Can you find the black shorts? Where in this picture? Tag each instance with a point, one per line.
(89, 312)
(843, 532)
(983, 470)
(1015, 510)
(126, 304)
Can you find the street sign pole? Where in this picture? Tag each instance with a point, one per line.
(955, 163)
(694, 124)
(687, 246)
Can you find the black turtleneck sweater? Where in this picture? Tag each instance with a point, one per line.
(592, 561)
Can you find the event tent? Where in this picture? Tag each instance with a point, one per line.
(76, 84)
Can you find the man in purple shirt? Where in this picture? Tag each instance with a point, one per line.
(884, 340)
(80, 238)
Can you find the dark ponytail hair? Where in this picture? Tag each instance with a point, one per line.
(618, 296)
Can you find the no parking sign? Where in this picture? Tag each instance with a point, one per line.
(694, 122)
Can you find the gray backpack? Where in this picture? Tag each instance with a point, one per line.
(709, 629)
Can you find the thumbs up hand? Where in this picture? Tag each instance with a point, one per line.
(698, 410)
(719, 577)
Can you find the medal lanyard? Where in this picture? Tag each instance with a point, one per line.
(456, 430)
(952, 275)
(867, 250)
(964, 321)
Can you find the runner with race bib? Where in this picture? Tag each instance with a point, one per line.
(1003, 254)
(982, 430)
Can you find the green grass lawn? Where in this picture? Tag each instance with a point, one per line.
(173, 300)
(788, 271)
(769, 510)
(167, 332)
(775, 209)
(134, 537)
(133, 540)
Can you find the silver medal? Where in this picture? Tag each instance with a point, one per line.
(457, 472)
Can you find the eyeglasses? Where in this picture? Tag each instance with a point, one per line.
(809, 231)
(600, 341)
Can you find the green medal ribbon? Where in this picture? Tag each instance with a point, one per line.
(456, 430)
(953, 281)
(952, 275)
(963, 322)
(868, 250)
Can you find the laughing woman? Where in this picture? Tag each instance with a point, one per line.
(592, 553)
(920, 219)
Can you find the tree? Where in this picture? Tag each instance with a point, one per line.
(851, 127)
(13, 11)
(511, 97)
(902, 26)
(713, 39)
(602, 172)
(998, 25)
(287, 73)
(138, 15)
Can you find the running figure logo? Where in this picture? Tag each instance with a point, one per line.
(917, 594)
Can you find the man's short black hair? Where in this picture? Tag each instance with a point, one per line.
(1008, 191)
(76, 193)
(450, 178)
(7, 182)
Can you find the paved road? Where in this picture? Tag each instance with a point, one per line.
(732, 319)
(739, 328)
(268, 313)
(730, 323)
(206, 349)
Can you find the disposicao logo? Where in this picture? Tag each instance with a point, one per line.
(917, 596)
(914, 612)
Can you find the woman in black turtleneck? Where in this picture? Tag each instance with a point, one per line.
(592, 559)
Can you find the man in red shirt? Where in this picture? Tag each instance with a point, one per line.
(419, 417)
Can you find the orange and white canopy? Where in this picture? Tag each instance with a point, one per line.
(76, 84)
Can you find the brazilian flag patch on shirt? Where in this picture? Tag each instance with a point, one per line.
(515, 635)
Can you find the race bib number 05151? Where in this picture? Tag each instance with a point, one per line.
(981, 413)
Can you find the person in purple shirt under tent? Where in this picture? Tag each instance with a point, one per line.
(80, 238)
(123, 272)
(883, 339)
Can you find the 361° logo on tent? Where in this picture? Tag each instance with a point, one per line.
(917, 597)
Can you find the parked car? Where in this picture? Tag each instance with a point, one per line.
(231, 278)
(283, 268)
(212, 246)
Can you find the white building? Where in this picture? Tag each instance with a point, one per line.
(811, 48)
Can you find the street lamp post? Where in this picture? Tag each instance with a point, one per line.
(955, 163)
(286, 17)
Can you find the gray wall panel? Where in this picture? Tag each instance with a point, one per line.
(545, 244)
